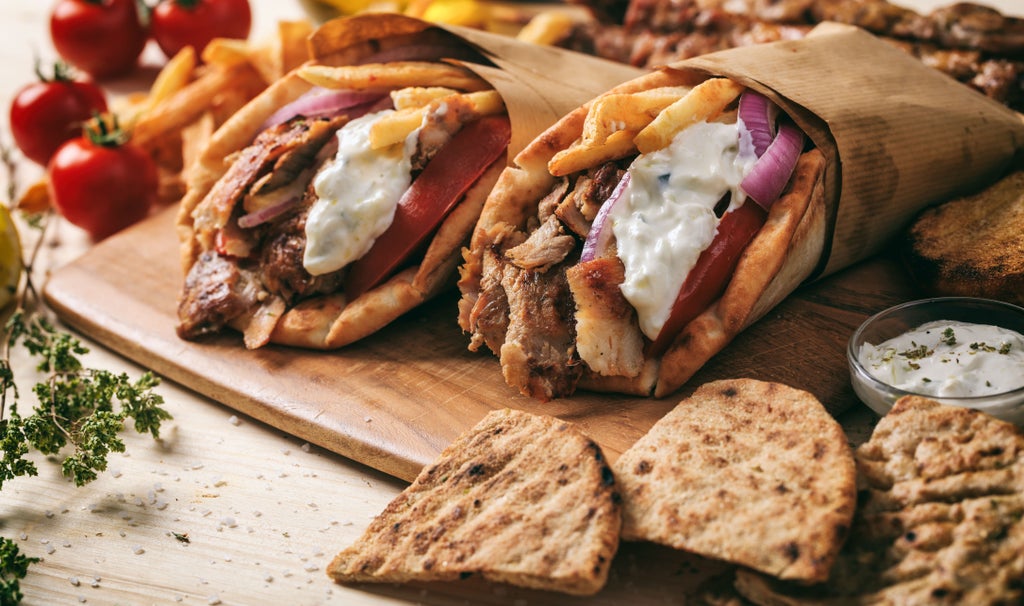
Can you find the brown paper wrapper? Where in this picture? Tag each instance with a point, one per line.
(539, 84)
(899, 135)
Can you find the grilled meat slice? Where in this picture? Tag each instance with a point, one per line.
(217, 290)
(608, 337)
(545, 247)
(539, 355)
(288, 144)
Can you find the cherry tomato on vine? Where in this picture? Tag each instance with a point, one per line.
(52, 110)
(103, 38)
(180, 23)
(101, 182)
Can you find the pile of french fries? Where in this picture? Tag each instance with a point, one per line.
(191, 96)
(621, 124)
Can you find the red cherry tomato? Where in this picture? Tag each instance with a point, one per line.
(180, 23)
(103, 38)
(709, 277)
(452, 171)
(101, 183)
(46, 113)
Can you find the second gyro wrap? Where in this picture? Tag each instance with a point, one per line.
(634, 239)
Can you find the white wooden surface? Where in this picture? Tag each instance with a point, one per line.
(263, 512)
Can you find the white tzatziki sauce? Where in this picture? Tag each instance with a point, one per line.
(949, 359)
(666, 216)
(357, 193)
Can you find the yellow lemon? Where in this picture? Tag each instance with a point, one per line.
(10, 257)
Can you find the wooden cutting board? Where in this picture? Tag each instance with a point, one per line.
(396, 399)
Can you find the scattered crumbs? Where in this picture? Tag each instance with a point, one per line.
(311, 567)
(305, 447)
(206, 512)
(49, 514)
(282, 475)
(127, 516)
(228, 521)
(158, 487)
(234, 420)
(257, 513)
(196, 466)
(286, 574)
(23, 536)
(213, 600)
(95, 582)
(138, 503)
(116, 473)
(161, 504)
(66, 543)
(367, 419)
(286, 451)
(44, 541)
(312, 505)
(122, 533)
(269, 578)
(74, 581)
(219, 481)
(81, 598)
(138, 550)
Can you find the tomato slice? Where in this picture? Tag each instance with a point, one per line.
(437, 189)
(709, 277)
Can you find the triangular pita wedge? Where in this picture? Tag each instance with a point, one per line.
(749, 472)
(520, 498)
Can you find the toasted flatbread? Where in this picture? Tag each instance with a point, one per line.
(972, 246)
(940, 519)
(783, 255)
(749, 472)
(520, 498)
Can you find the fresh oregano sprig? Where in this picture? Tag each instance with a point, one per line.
(79, 411)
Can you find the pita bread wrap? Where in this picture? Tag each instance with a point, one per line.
(256, 213)
(875, 153)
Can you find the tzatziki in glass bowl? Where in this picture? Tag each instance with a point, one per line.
(961, 351)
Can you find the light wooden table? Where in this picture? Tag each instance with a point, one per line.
(263, 511)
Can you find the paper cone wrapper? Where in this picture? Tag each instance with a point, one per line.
(539, 84)
(898, 135)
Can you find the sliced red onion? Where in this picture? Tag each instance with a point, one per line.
(766, 180)
(320, 102)
(600, 230)
(263, 215)
(759, 115)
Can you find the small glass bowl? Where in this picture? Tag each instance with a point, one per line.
(880, 396)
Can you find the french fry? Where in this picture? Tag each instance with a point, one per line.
(418, 96)
(174, 76)
(579, 157)
(627, 111)
(36, 198)
(189, 103)
(226, 52)
(704, 102)
(549, 27)
(392, 75)
(395, 127)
